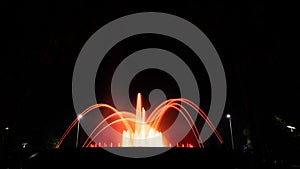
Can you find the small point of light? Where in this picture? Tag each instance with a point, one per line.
(24, 145)
(291, 127)
(6, 128)
(79, 116)
(33, 155)
(228, 116)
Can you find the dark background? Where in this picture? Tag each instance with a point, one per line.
(256, 41)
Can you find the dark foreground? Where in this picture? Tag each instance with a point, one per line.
(176, 157)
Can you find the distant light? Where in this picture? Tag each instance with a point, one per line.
(6, 128)
(79, 116)
(228, 116)
(24, 145)
(291, 127)
(33, 155)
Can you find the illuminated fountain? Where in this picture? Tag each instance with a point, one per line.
(142, 131)
(144, 135)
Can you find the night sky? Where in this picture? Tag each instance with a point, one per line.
(256, 41)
